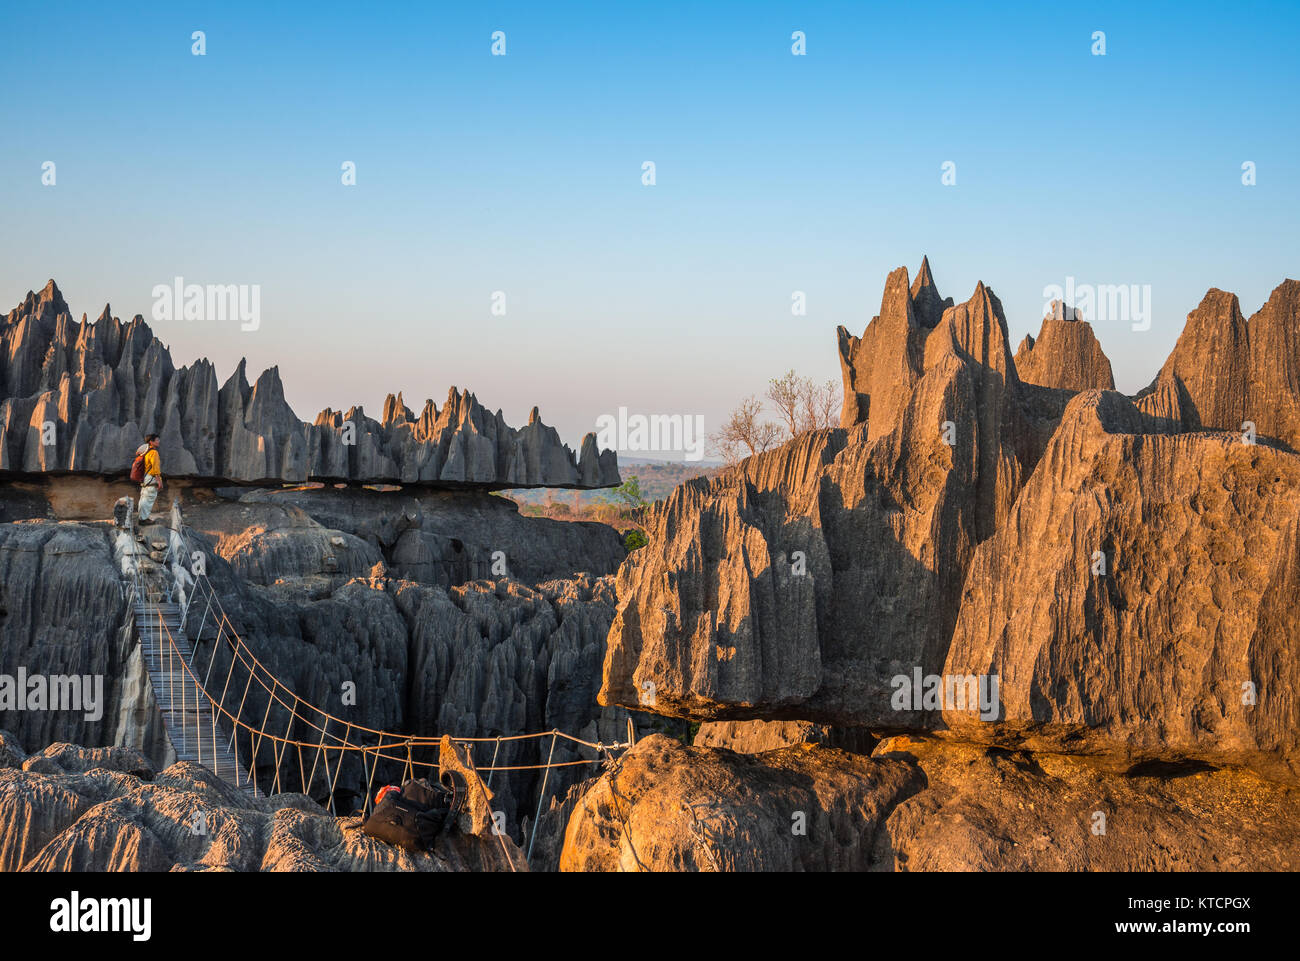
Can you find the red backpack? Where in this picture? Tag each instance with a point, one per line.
(137, 469)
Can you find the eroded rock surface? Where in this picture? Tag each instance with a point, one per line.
(1127, 575)
(479, 660)
(918, 805)
(1128, 569)
(798, 584)
(102, 818)
(1226, 371)
(987, 809)
(1066, 356)
(444, 538)
(757, 737)
(484, 658)
(674, 808)
(61, 611)
(1141, 597)
(104, 385)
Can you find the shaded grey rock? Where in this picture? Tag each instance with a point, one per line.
(108, 821)
(11, 751)
(61, 610)
(479, 660)
(489, 659)
(268, 556)
(104, 385)
(434, 537)
(492, 659)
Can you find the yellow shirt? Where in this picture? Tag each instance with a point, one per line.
(152, 463)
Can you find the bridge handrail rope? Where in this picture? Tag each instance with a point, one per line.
(388, 742)
(251, 661)
(343, 745)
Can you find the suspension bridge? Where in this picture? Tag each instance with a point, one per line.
(224, 708)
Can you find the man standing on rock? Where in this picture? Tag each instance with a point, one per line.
(152, 482)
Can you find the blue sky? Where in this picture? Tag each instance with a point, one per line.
(522, 173)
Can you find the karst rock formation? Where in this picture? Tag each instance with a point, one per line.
(923, 805)
(70, 808)
(1066, 355)
(78, 397)
(1128, 568)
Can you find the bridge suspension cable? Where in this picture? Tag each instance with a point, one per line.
(161, 619)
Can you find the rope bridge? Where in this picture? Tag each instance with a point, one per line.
(197, 701)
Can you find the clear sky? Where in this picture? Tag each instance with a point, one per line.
(523, 173)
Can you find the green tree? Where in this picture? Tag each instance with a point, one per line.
(629, 494)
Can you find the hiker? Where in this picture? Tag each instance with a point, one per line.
(147, 470)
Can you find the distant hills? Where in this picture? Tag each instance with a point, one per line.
(656, 477)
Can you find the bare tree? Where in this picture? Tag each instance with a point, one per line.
(786, 394)
(743, 434)
(817, 405)
(801, 403)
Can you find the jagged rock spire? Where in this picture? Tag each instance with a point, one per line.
(105, 385)
(1066, 355)
(1226, 370)
(1103, 559)
(926, 301)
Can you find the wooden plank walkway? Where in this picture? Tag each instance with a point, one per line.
(186, 713)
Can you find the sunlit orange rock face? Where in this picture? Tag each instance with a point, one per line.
(1125, 567)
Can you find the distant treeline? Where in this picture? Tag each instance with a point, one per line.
(656, 481)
